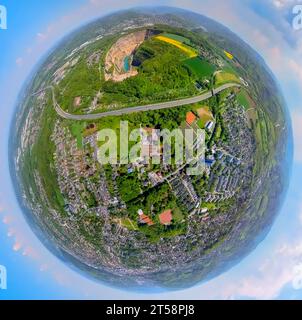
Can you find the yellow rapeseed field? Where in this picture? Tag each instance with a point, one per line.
(229, 55)
(189, 51)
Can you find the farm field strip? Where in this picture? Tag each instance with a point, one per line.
(189, 51)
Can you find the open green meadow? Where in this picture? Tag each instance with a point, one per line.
(243, 99)
(177, 38)
(201, 68)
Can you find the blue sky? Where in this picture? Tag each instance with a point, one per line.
(272, 271)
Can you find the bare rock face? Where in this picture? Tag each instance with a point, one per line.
(124, 47)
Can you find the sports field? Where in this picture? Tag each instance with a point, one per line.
(205, 115)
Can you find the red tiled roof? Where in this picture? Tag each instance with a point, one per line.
(146, 219)
(166, 217)
(190, 118)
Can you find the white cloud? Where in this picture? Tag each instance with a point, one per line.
(263, 278)
(19, 61)
(281, 4)
(297, 280)
(41, 36)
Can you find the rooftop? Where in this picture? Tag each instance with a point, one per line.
(190, 118)
(145, 219)
(166, 217)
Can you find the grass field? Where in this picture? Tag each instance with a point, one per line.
(177, 38)
(200, 67)
(208, 205)
(177, 215)
(129, 224)
(41, 161)
(262, 205)
(77, 131)
(253, 115)
(225, 77)
(205, 115)
(186, 49)
(243, 99)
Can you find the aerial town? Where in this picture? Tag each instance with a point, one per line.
(149, 214)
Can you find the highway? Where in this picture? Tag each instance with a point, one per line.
(155, 106)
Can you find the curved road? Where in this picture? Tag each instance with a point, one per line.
(155, 106)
